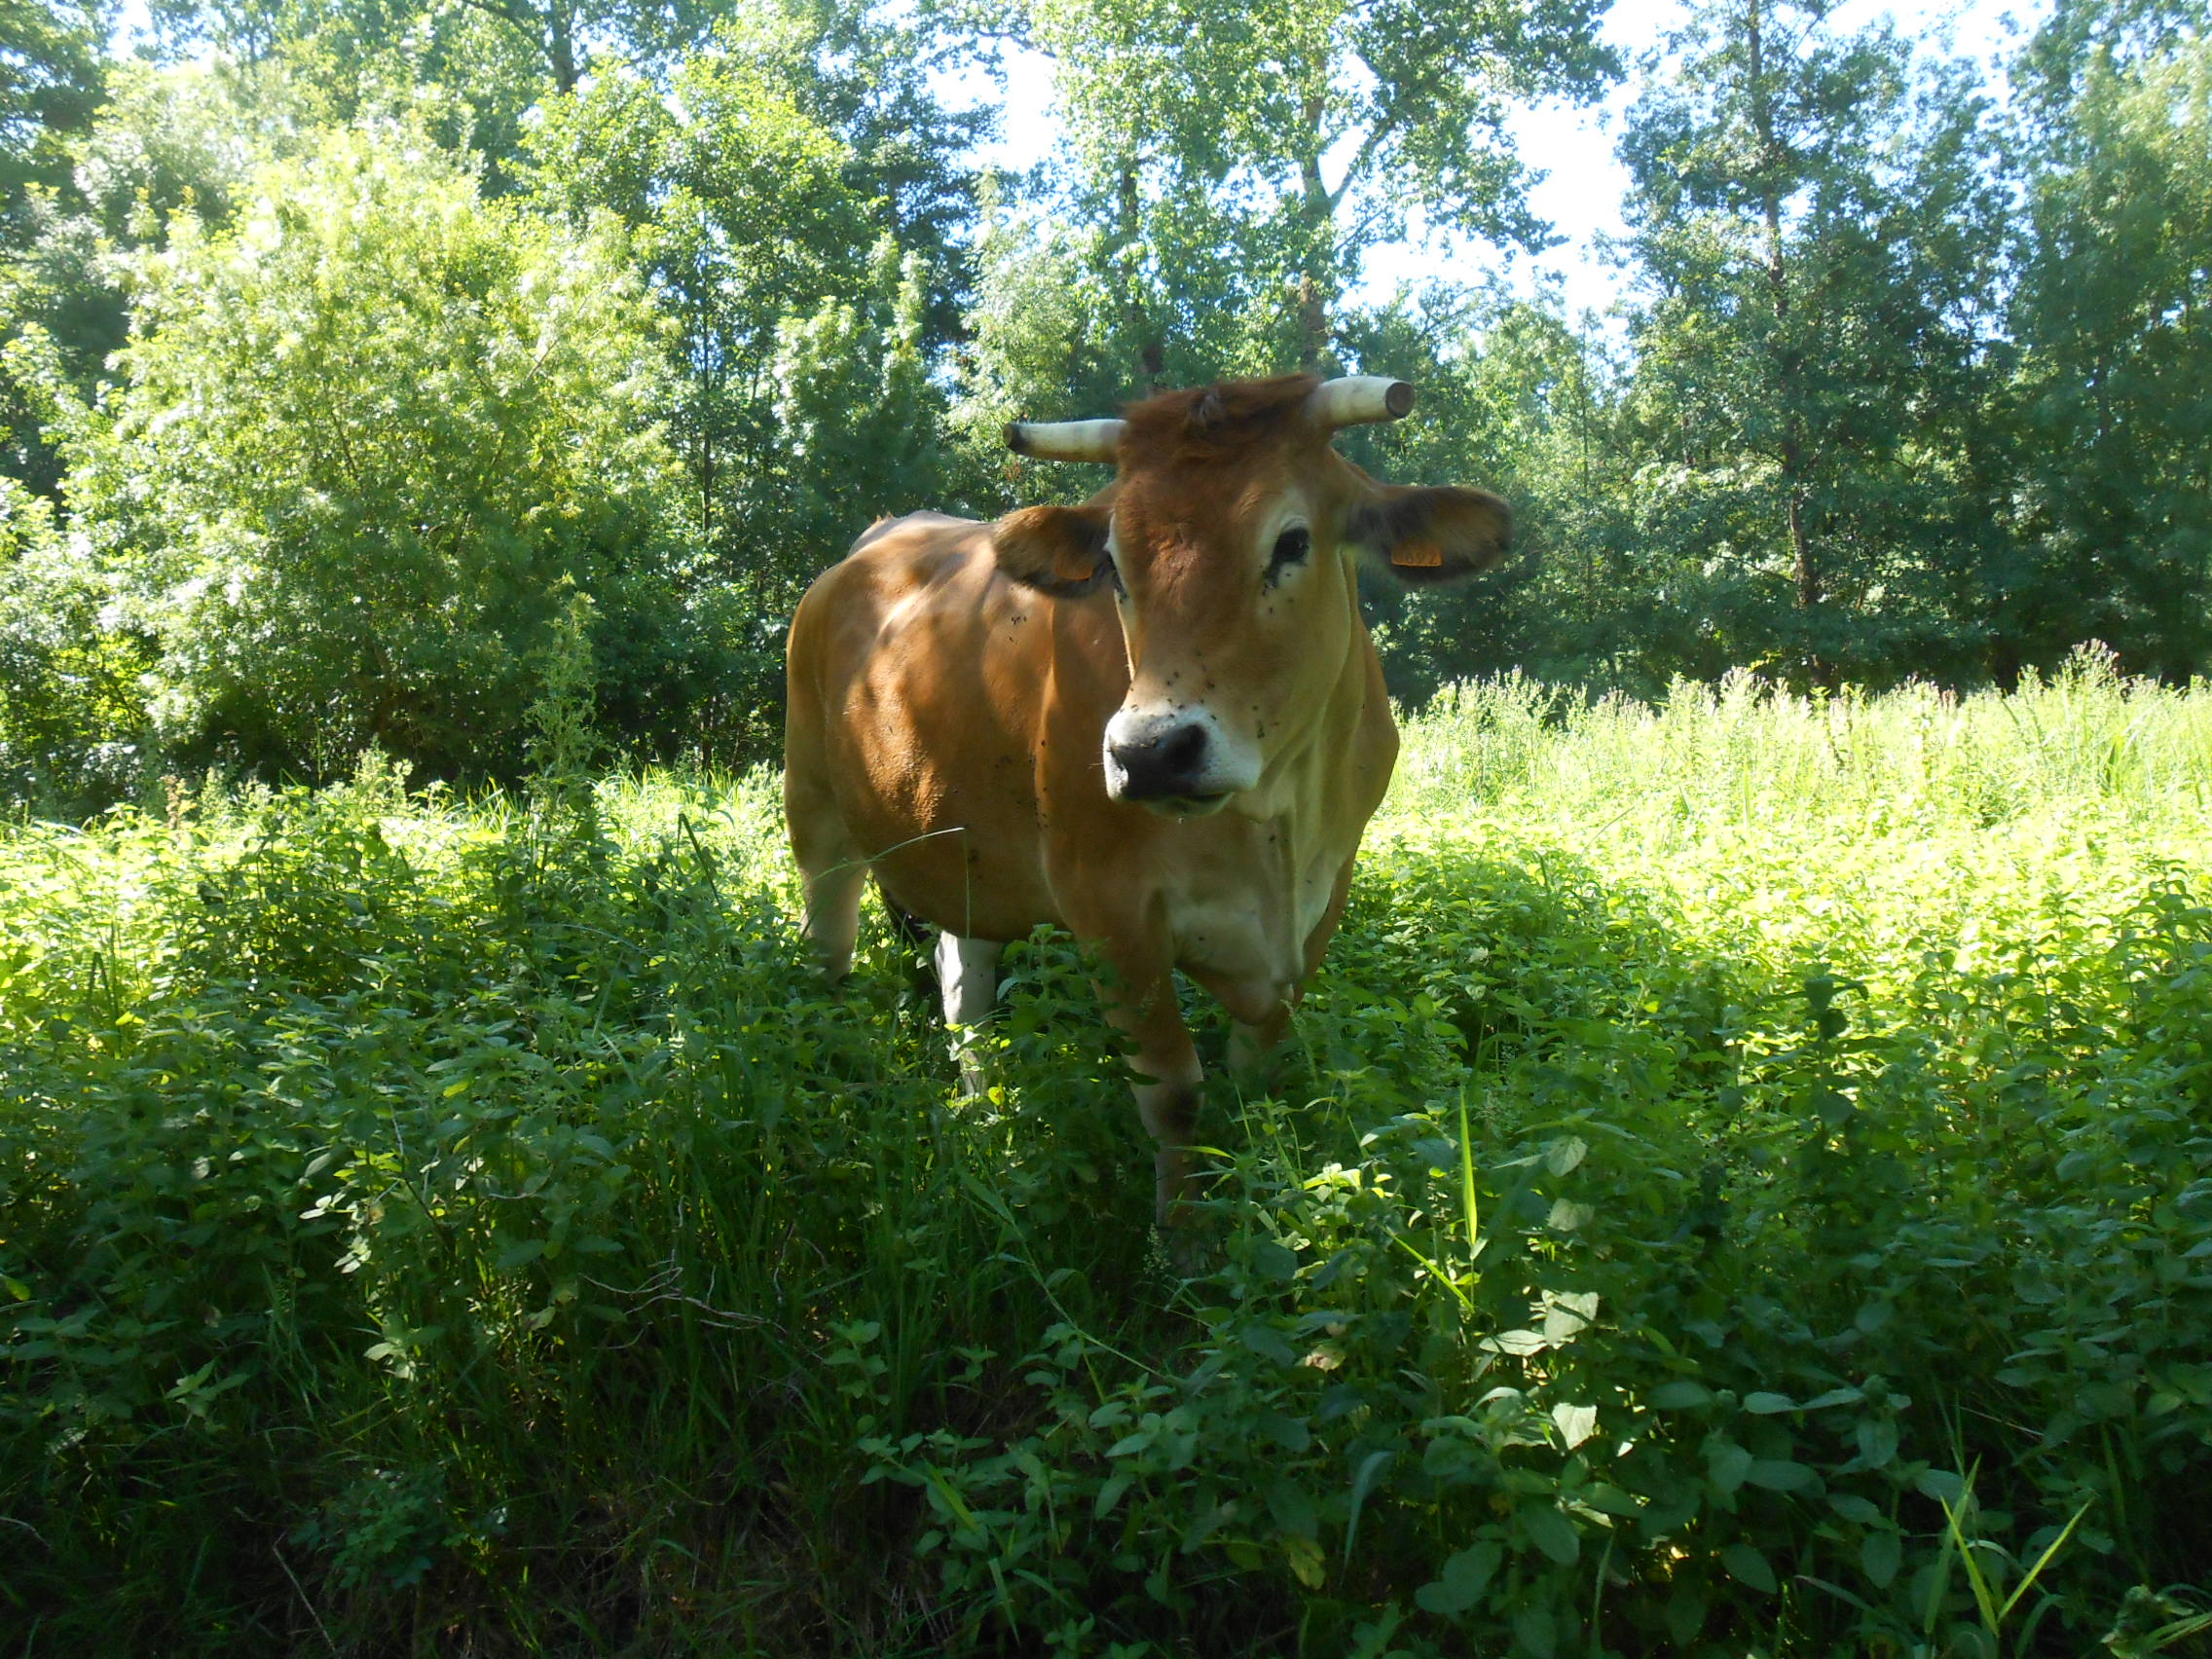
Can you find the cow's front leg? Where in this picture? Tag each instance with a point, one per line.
(1253, 1044)
(1259, 1013)
(1166, 1082)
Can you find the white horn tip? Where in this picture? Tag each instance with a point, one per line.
(1359, 400)
(1065, 440)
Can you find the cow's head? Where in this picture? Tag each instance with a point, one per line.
(1230, 537)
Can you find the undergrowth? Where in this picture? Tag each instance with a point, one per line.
(1740, 1186)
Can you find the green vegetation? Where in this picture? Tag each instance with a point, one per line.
(1741, 1187)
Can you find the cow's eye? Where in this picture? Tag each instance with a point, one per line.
(1291, 546)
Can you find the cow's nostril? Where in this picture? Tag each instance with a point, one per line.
(1166, 764)
(1184, 749)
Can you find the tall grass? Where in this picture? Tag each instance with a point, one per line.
(1742, 1185)
(1747, 755)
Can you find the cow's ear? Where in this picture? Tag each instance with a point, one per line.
(1056, 550)
(1431, 534)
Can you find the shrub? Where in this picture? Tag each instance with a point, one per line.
(369, 434)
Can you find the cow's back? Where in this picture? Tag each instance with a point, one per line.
(915, 706)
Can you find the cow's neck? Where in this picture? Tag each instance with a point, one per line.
(1292, 786)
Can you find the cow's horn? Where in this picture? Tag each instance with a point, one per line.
(1357, 400)
(1064, 440)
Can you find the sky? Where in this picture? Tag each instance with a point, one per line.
(1584, 184)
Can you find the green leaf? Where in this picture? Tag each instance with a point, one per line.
(1687, 1605)
(1780, 1474)
(1371, 1469)
(1552, 1532)
(1535, 1632)
(2043, 1561)
(1293, 1508)
(1746, 1566)
(1879, 1553)
(1728, 1465)
(1768, 1405)
(1576, 1423)
(1110, 1493)
(1834, 1397)
(1461, 1583)
(1877, 1440)
(1566, 1153)
(1944, 1486)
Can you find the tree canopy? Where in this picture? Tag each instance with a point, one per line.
(343, 345)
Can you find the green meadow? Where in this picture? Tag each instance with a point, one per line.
(1740, 1186)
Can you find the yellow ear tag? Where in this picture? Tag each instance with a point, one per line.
(1421, 554)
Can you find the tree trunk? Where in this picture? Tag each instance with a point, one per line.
(560, 46)
(1805, 571)
(1152, 352)
(1318, 256)
(1312, 325)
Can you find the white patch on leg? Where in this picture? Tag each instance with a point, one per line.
(968, 973)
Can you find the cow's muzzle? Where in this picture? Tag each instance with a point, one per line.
(1176, 763)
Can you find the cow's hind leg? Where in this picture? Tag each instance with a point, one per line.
(968, 977)
(834, 915)
(832, 868)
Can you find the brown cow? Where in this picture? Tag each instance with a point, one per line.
(1154, 719)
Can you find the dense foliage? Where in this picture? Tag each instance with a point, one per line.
(1742, 1183)
(1907, 381)
(1741, 1187)
(371, 435)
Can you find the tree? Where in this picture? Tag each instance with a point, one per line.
(166, 141)
(561, 40)
(1814, 227)
(1515, 399)
(800, 350)
(367, 439)
(1239, 161)
(739, 210)
(863, 72)
(2111, 504)
(71, 715)
(50, 84)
